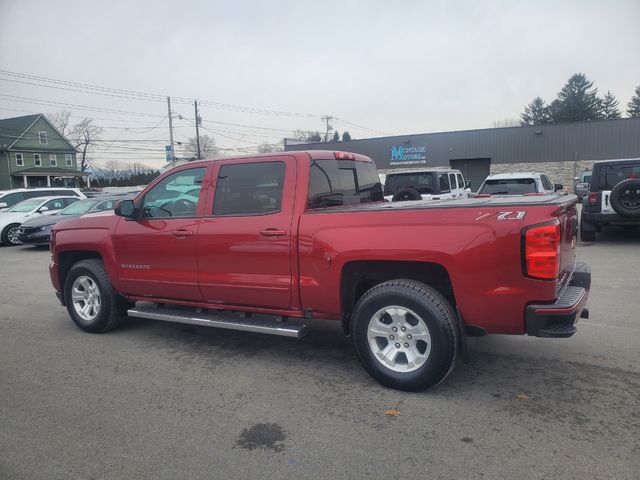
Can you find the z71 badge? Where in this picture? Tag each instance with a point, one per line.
(503, 215)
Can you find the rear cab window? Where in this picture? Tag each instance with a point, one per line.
(334, 183)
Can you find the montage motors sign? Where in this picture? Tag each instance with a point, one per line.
(402, 155)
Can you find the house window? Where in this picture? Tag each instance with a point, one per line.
(19, 160)
(42, 137)
(37, 160)
(68, 160)
(53, 160)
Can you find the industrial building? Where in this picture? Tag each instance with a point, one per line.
(560, 151)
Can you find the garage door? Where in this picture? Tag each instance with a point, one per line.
(474, 169)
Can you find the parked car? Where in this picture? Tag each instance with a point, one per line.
(12, 218)
(518, 183)
(37, 230)
(308, 234)
(581, 184)
(613, 198)
(8, 198)
(425, 184)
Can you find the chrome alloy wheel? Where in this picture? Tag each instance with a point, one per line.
(12, 235)
(86, 298)
(399, 339)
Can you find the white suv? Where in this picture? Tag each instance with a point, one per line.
(8, 198)
(518, 183)
(428, 184)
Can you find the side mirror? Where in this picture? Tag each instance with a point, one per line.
(125, 208)
(558, 186)
(467, 184)
(3, 205)
(43, 209)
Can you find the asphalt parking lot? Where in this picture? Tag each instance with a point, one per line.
(162, 401)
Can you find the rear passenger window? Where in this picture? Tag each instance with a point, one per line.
(333, 183)
(249, 188)
(12, 198)
(444, 183)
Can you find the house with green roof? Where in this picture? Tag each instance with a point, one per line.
(33, 153)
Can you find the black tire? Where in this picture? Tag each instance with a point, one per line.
(405, 194)
(625, 197)
(113, 307)
(587, 232)
(433, 309)
(7, 234)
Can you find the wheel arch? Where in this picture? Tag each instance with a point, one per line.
(359, 276)
(68, 259)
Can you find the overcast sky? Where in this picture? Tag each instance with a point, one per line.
(392, 67)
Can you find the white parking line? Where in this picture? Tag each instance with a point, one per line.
(592, 324)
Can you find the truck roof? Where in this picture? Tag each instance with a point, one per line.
(510, 175)
(311, 154)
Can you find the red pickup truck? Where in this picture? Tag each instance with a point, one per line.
(251, 243)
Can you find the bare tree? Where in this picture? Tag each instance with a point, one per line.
(113, 167)
(208, 147)
(83, 137)
(61, 121)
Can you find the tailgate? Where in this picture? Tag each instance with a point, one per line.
(568, 217)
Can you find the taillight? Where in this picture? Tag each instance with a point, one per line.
(542, 251)
(592, 198)
(344, 156)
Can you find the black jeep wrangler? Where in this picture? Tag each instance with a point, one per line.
(613, 198)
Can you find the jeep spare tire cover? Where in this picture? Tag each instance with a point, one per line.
(625, 197)
(406, 194)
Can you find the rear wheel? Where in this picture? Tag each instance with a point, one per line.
(92, 303)
(405, 334)
(10, 234)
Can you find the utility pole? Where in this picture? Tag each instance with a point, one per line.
(195, 102)
(327, 118)
(173, 151)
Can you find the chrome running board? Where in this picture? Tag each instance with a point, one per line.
(220, 320)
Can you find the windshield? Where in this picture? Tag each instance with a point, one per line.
(26, 206)
(510, 186)
(422, 182)
(78, 208)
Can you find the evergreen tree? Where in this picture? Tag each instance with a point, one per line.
(336, 137)
(536, 113)
(577, 101)
(346, 137)
(633, 107)
(610, 106)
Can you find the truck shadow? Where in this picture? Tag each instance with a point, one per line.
(616, 235)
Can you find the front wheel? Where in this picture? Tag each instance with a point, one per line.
(92, 303)
(10, 234)
(405, 335)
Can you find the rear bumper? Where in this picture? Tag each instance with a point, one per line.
(558, 319)
(609, 218)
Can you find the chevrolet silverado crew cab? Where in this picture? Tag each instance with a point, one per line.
(421, 184)
(262, 243)
(613, 197)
